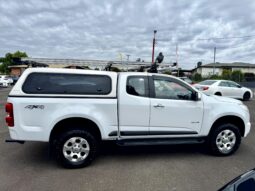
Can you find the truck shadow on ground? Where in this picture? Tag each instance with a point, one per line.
(39, 153)
(113, 149)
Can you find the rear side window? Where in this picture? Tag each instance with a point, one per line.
(207, 82)
(224, 84)
(138, 86)
(52, 83)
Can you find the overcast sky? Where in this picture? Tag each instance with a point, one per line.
(98, 29)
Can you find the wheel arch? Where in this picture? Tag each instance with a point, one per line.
(75, 122)
(218, 93)
(235, 120)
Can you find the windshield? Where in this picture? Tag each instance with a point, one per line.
(207, 82)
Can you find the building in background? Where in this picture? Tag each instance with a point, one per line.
(217, 68)
(20, 66)
(17, 70)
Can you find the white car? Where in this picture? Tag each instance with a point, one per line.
(225, 88)
(5, 81)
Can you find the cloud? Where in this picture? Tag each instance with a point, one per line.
(103, 29)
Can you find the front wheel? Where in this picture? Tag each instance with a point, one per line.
(76, 148)
(246, 96)
(224, 140)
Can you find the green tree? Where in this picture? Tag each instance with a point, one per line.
(199, 64)
(226, 74)
(8, 60)
(215, 77)
(237, 76)
(196, 77)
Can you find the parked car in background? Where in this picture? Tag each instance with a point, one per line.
(186, 79)
(225, 88)
(244, 182)
(5, 81)
(14, 79)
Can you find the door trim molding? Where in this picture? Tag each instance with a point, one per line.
(141, 133)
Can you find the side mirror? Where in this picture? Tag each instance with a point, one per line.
(199, 96)
(239, 86)
(196, 96)
(243, 182)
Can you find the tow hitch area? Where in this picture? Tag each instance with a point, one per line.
(14, 141)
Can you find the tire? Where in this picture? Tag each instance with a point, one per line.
(218, 94)
(76, 148)
(224, 140)
(246, 96)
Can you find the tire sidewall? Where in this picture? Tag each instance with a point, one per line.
(246, 98)
(61, 140)
(213, 135)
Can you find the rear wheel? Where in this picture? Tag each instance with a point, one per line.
(218, 94)
(76, 148)
(224, 140)
(246, 96)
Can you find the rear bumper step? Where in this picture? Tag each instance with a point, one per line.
(14, 141)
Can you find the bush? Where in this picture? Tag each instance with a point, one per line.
(196, 77)
(237, 76)
(249, 77)
(226, 74)
(215, 77)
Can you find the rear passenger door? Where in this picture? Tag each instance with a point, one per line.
(224, 88)
(134, 105)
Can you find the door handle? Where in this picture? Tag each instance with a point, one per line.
(159, 106)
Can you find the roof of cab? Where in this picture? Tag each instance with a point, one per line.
(67, 70)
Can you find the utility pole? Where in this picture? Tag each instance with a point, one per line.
(177, 65)
(214, 56)
(120, 54)
(153, 46)
(176, 55)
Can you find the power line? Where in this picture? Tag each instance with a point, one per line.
(236, 46)
(223, 38)
(212, 38)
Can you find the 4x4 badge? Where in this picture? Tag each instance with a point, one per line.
(34, 107)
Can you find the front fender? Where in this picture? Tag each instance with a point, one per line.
(213, 112)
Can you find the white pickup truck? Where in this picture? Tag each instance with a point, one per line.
(75, 110)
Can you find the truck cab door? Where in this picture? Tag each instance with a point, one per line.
(173, 109)
(134, 105)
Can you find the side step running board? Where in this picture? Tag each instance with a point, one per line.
(14, 141)
(160, 141)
